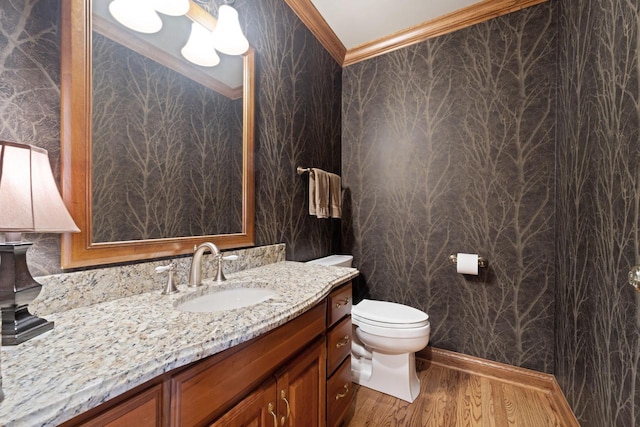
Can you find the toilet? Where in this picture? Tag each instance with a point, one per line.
(386, 336)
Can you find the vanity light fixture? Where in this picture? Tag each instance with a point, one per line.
(138, 15)
(229, 38)
(199, 48)
(29, 203)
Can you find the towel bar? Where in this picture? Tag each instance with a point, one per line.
(302, 170)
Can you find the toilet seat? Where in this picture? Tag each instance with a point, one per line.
(393, 333)
(388, 325)
(384, 314)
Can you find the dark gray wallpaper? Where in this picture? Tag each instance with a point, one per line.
(30, 95)
(448, 146)
(298, 122)
(598, 331)
(297, 115)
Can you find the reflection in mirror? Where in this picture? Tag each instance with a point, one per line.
(169, 156)
(167, 151)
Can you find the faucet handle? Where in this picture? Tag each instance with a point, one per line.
(220, 273)
(171, 286)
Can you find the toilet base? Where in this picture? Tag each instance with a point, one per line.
(392, 374)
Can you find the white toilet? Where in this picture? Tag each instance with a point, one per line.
(386, 336)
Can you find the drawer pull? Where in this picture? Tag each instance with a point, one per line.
(346, 391)
(342, 302)
(275, 417)
(344, 341)
(283, 396)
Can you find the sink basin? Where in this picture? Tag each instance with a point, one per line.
(227, 299)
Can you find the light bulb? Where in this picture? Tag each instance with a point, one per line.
(199, 48)
(228, 36)
(171, 7)
(138, 15)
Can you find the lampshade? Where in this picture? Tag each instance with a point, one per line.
(199, 48)
(29, 197)
(171, 7)
(228, 36)
(138, 15)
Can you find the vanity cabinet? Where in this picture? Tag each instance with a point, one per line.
(339, 335)
(297, 375)
(291, 357)
(294, 396)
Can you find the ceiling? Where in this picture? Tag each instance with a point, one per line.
(356, 30)
(357, 22)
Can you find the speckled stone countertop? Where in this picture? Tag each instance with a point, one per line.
(97, 352)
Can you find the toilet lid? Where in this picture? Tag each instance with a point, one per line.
(388, 314)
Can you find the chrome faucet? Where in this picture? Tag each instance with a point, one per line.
(195, 273)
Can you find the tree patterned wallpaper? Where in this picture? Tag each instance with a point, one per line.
(298, 123)
(458, 131)
(297, 115)
(598, 214)
(30, 96)
(167, 151)
(448, 146)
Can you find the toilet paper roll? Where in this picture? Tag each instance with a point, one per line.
(467, 264)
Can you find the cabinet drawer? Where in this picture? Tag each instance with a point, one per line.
(339, 304)
(339, 394)
(338, 344)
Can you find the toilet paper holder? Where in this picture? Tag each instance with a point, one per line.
(482, 262)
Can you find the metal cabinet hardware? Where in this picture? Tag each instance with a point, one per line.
(275, 417)
(342, 302)
(344, 341)
(346, 391)
(283, 396)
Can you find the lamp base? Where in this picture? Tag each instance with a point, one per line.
(17, 290)
(18, 325)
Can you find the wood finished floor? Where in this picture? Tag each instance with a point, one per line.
(452, 397)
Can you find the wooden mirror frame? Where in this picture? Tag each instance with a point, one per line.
(78, 249)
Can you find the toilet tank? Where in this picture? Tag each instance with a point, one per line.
(334, 260)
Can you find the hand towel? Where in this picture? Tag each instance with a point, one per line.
(335, 196)
(325, 194)
(321, 193)
(312, 193)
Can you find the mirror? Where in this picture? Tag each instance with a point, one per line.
(132, 197)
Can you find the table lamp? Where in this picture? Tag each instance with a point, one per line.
(29, 203)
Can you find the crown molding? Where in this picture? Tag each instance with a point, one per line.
(474, 14)
(310, 16)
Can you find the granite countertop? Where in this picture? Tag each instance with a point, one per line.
(98, 352)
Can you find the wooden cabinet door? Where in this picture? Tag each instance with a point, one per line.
(142, 410)
(258, 409)
(301, 388)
